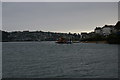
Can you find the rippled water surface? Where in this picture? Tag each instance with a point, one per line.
(51, 60)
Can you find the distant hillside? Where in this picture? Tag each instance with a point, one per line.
(36, 36)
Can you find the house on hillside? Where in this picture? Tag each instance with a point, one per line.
(98, 30)
(101, 32)
(105, 30)
(108, 29)
(84, 35)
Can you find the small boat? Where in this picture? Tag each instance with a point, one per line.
(63, 41)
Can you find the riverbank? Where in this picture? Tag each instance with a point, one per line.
(104, 42)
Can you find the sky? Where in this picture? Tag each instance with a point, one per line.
(0, 16)
(60, 0)
(119, 11)
(67, 17)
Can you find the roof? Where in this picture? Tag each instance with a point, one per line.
(98, 28)
(108, 26)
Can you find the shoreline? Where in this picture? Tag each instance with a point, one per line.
(97, 42)
(55, 41)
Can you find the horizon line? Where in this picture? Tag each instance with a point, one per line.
(48, 31)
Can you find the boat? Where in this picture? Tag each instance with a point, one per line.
(76, 41)
(63, 41)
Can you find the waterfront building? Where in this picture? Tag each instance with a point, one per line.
(98, 30)
(84, 35)
(107, 30)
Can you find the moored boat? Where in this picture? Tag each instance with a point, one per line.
(63, 41)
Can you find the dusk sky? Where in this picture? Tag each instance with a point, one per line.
(0, 16)
(58, 16)
(60, 0)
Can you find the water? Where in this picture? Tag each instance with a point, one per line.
(51, 60)
(0, 60)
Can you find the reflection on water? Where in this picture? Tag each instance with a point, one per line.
(48, 59)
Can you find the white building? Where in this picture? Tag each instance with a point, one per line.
(107, 30)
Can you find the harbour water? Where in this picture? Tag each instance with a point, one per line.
(51, 60)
